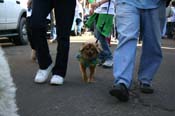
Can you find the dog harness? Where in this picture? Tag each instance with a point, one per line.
(85, 62)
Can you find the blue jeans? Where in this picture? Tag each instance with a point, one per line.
(106, 53)
(129, 20)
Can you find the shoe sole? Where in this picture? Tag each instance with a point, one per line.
(56, 84)
(147, 91)
(119, 95)
(104, 66)
(53, 83)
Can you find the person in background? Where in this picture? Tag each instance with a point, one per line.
(79, 15)
(29, 33)
(170, 20)
(168, 13)
(103, 19)
(64, 14)
(53, 35)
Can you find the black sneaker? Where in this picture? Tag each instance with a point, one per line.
(146, 88)
(120, 91)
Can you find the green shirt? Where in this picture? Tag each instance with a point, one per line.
(91, 1)
(104, 23)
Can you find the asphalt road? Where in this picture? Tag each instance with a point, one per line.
(76, 98)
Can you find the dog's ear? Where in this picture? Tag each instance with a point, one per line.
(82, 46)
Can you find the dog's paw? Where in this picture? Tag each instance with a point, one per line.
(85, 79)
(91, 80)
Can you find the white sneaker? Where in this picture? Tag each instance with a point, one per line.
(108, 64)
(56, 80)
(42, 75)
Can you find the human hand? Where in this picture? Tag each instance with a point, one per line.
(29, 3)
(91, 11)
(95, 5)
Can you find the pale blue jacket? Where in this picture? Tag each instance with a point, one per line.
(142, 4)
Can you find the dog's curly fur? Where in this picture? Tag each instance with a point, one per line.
(88, 58)
(8, 105)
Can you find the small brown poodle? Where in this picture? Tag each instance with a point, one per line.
(88, 58)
